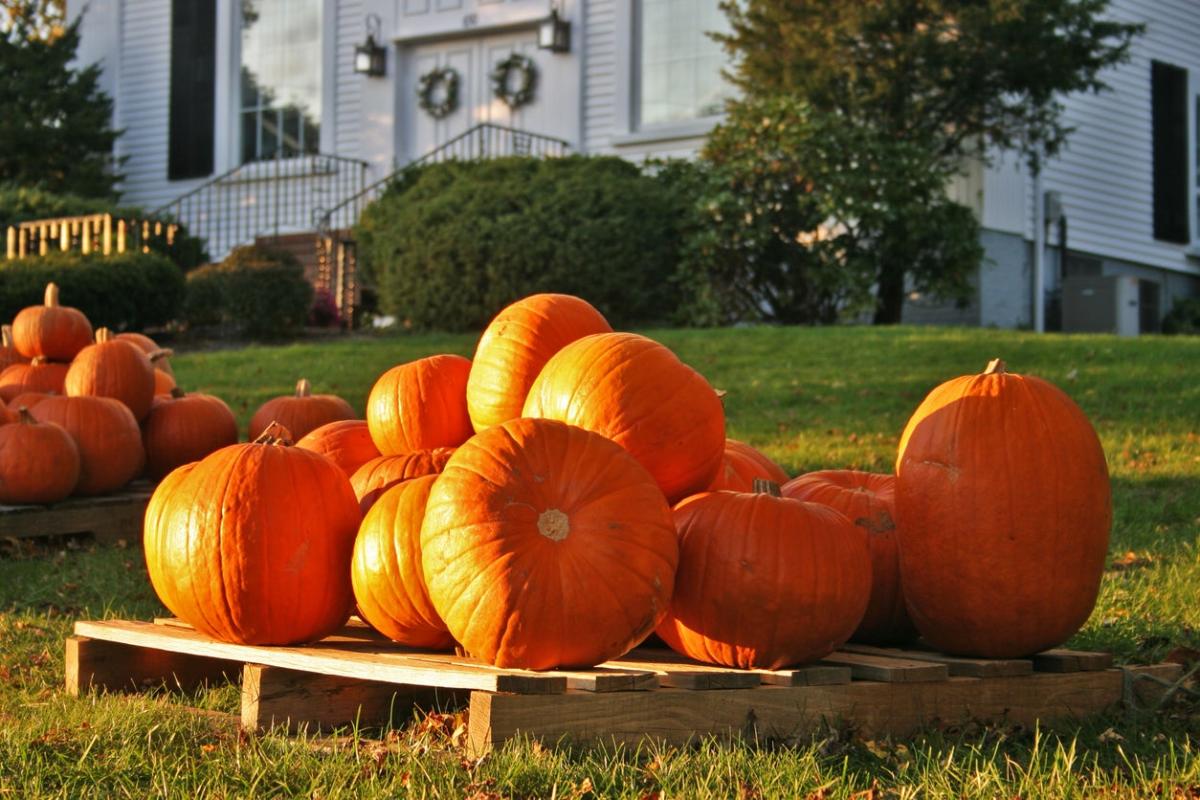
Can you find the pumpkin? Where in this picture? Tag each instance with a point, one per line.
(1004, 509)
(8, 415)
(301, 412)
(869, 501)
(420, 405)
(380, 474)
(516, 345)
(386, 569)
(546, 545)
(113, 368)
(272, 567)
(51, 331)
(27, 399)
(182, 428)
(8, 353)
(741, 465)
(346, 443)
(39, 462)
(39, 375)
(156, 354)
(163, 383)
(765, 581)
(107, 435)
(637, 393)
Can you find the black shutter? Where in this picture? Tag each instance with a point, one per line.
(1169, 100)
(193, 88)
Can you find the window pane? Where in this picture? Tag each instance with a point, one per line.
(680, 66)
(281, 75)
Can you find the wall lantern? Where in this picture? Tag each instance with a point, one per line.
(370, 58)
(554, 33)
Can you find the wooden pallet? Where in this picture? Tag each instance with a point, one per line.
(358, 676)
(108, 518)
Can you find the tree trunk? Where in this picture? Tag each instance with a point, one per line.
(889, 302)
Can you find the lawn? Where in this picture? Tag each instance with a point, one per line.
(810, 398)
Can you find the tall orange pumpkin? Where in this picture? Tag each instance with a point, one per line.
(420, 405)
(51, 331)
(765, 582)
(346, 443)
(8, 353)
(516, 345)
(546, 545)
(742, 465)
(386, 570)
(39, 375)
(379, 474)
(272, 568)
(39, 462)
(113, 368)
(110, 444)
(183, 428)
(637, 393)
(869, 501)
(301, 412)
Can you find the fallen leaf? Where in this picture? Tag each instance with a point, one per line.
(1110, 735)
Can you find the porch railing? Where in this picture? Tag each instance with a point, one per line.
(87, 233)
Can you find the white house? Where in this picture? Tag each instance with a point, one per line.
(228, 103)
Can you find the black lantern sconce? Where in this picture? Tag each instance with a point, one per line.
(554, 33)
(370, 58)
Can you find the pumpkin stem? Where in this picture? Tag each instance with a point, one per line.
(51, 295)
(103, 335)
(275, 434)
(764, 486)
(994, 367)
(554, 524)
(303, 388)
(37, 361)
(177, 393)
(6, 336)
(160, 354)
(26, 417)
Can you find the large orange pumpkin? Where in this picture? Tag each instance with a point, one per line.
(1004, 509)
(546, 545)
(39, 375)
(8, 353)
(516, 345)
(301, 412)
(39, 462)
(742, 465)
(51, 331)
(110, 444)
(764, 581)
(346, 443)
(380, 474)
(869, 501)
(637, 393)
(386, 571)
(420, 405)
(183, 428)
(113, 368)
(252, 544)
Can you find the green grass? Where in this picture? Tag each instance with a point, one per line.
(810, 398)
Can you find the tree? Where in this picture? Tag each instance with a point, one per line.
(38, 19)
(56, 130)
(960, 76)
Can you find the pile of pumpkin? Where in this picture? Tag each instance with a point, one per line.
(570, 491)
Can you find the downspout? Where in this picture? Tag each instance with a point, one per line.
(1039, 253)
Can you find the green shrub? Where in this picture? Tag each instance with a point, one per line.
(455, 242)
(256, 290)
(1184, 317)
(127, 291)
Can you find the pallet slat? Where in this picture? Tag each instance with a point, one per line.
(888, 669)
(686, 674)
(108, 518)
(1059, 660)
(956, 666)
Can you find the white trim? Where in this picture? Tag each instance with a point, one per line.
(329, 75)
(626, 72)
(483, 19)
(669, 132)
(1193, 141)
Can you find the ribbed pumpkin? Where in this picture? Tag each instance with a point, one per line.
(39, 462)
(764, 581)
(28, 399)
(8, 353)
(346, 443)
(1004, 510)
(182, 428)
(8, 415)
(420, 405)
(386, 570)
(516, 345)
(740, 467)
(110, 444)
(113, 368)
(869, 501)
(51, 331)
(546, 545)
(163, 383)
(301, 412)
(637, 393)
(39, 375)
(272, 567)
(380, 474)
(151, 349)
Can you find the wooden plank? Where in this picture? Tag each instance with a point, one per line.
(684, 674)
(887, 669)
(803, 675)
(94, 664)
(782, 713)
(814, 675)
(1060, 660)
(957, 666)
(108, 519)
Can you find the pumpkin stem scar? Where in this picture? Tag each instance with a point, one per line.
(554, 524)
(995, 367)
(275, 434)
(764, 486)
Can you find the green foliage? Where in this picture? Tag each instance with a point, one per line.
(454, 242)
(1184, 316)
(127, 291)
(258, 291)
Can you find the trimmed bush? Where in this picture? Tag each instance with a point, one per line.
(1184, 317)
(127, 291)
(256, 290)
(453, 242)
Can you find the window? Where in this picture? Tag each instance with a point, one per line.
(679, 64)
(192, 101)
(1169, 121)
(280, 78)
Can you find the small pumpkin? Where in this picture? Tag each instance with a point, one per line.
(301, 412)
(380, 474)
(113, 368)
(271, 569)
(8, 353)
(546, 545)
(156, 354)
(743, 464)
(39, 375)
(164, 384)
(516, 345)
(8, 415)
(27, 399)
(51, 331)
(346, 443)
(39, 462)
(420, 405)
(182, 428)
(386, 569)
(107, 435)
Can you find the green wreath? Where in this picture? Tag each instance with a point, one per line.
(444, 78)
(524, 92)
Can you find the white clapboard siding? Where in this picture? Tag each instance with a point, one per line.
(347, 93)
